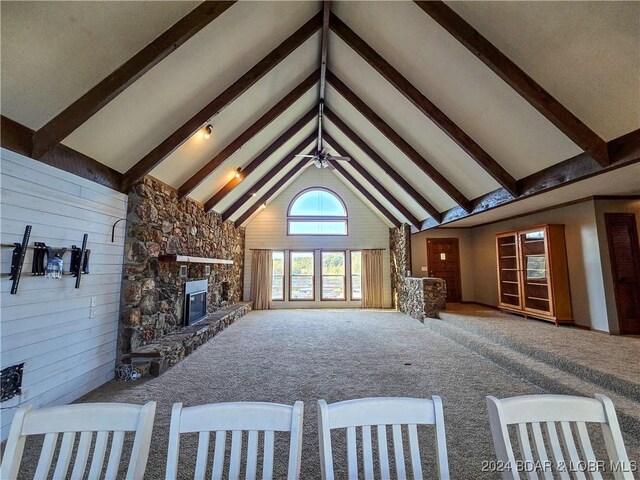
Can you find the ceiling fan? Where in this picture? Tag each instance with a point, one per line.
(322, 158)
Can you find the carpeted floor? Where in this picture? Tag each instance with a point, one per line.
(283, 356)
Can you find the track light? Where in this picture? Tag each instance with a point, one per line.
(238, 173)
(264, 205)
(207, 131)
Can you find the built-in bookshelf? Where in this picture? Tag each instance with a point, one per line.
(533, 277)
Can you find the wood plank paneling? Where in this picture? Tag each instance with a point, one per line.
(49, 324)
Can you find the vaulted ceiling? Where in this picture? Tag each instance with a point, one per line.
(451, 112)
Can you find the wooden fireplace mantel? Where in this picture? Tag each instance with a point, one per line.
(190, 259)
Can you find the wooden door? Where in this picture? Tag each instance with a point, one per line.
(443, 261)
(622, 236)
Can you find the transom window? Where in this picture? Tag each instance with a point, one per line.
(317, 211)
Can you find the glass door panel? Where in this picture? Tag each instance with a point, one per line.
(535, 272)
(508, 265)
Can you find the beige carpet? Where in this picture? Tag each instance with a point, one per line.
(283, 356)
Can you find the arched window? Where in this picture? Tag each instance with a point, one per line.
(317, 211)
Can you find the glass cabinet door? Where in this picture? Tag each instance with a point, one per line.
(509, 271)
(535, 274)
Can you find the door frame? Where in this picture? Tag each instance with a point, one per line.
(458, 270)
(608, 219)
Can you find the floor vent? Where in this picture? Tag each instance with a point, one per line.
(11, 382)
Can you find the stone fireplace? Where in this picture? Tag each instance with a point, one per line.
(153, 291)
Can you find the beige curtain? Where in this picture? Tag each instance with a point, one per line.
(261, 277)
(372, 291)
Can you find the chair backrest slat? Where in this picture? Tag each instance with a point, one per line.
(416, 464)
(218, 454)
(202, 456)
(383, 453)
(556, 449)
(570, 446)
(352, 453)
(99, 451)
(541, 451)
(84, 419)
(252, 455)
(236, 451)
(382, 412)
(587, 449)
(571, 414)
(367, 452)
(525, 450)
(46, 456)
(64, 456)
(82, 455)
(398, 449)
(236, 417)
(267, 456)
(117, 441)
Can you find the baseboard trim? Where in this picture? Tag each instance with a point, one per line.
(469, 302)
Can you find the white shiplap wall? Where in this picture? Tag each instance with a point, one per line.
(47, 323)
(268, 229)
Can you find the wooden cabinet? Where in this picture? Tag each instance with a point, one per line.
(533, 278)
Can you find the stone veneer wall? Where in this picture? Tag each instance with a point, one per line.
(153, 291)
(423, 297)
(400, 255)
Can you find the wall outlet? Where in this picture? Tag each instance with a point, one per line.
(92, 312)
(424, 269)
(94, 300)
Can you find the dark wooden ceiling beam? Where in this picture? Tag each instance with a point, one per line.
(262, 156)
(392, 172)
(366, 194)
(267, 177)
(324, 50)
(273, 190)
(397, 204)
(259, 70)
(437, 116)
(187, 187)
(67, 121)
(517, 79)
(624, 151)
(395, 138)
(18, 138)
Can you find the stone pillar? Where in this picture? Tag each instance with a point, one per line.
(423, 297)
(400, 250)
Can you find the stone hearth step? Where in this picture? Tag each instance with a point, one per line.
(156, 357)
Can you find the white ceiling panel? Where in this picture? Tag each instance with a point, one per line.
(255, 146)
(376, 171)
(193, 154)
(363, 199)
(54, 52)
(422, 134)
(466, 90)
(248, 184)
(182, 84)
(286, 173)
(403, 165)
(585, 54)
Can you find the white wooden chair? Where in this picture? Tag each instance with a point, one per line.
(104, 422)
(537, 417)
(367, 412)
(236, 417)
